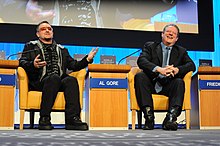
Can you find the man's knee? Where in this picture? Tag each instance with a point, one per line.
(179, 81)
(53, 79)
(70, 81)
(139, 77)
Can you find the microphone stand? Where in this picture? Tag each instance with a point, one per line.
(24, 52)
(128, 56)
(13, 55)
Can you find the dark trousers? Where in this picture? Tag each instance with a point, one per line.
(51, 85)
(144, 88)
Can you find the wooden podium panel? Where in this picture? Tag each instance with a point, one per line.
(209, 99)
(107, 108)
(6, 108)
(210, 109)
(7, 93)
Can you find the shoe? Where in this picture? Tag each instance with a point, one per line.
(149, 124)
(149, 118)
(169, 122)
(76, 124)
(45, 124)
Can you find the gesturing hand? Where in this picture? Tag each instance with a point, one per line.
(38, 63)
(91, 54)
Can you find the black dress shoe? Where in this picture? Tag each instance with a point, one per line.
(169, 122)
(45, 124)
(149, 118)
(76, 124)
(149, 124)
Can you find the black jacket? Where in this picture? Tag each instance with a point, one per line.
(152, 56)
(35, 74)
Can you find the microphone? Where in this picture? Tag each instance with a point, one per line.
(128, 56)
(24, 52)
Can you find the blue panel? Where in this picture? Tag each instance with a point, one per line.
(209, 84)
(8, 80)
(108, 83)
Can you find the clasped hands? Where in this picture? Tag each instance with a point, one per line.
(167, 71)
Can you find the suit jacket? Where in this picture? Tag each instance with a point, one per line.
(151, 56)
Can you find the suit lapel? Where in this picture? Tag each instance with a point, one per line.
(173, 55)
(159, 53)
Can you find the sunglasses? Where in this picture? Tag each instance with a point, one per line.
(46, 28)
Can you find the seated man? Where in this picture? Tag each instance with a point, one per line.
(164, 65)
(46, 63)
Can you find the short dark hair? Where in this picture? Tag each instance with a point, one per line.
(37, 28)
(174, 25)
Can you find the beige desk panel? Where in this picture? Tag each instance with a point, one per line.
(108, 108)
(209, 105)
(6, 107)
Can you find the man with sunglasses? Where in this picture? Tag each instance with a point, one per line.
(46, 67)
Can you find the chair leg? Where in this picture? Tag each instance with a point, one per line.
(187, 119)
(21, 119)
(133, 112)
(139, 115)
(32, 119)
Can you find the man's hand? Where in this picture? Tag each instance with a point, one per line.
(164, 71)
(174, 70)
(38, 63)
(169, 70)
(92, 53)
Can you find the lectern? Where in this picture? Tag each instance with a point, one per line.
(209, 97)
(7, 93)
(106, 102)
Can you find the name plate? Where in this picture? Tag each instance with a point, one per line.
(132, 60)
(107, 59)
(2, 55)
(209, 84)
(205, 62)
(8, 80)
(79, 57)
(108, 83)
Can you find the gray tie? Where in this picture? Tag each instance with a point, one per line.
(166, 56)
(158, 87)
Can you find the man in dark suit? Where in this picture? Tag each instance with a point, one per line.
(163, 65)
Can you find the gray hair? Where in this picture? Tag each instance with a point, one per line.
(174, 25)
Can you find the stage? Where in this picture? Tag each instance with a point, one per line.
(157, 137)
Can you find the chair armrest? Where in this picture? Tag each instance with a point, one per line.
(133, 100)
(80, 75)
(23, 88)
(187, 100)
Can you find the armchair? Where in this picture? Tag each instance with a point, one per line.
(160, 101)
(30, 100)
